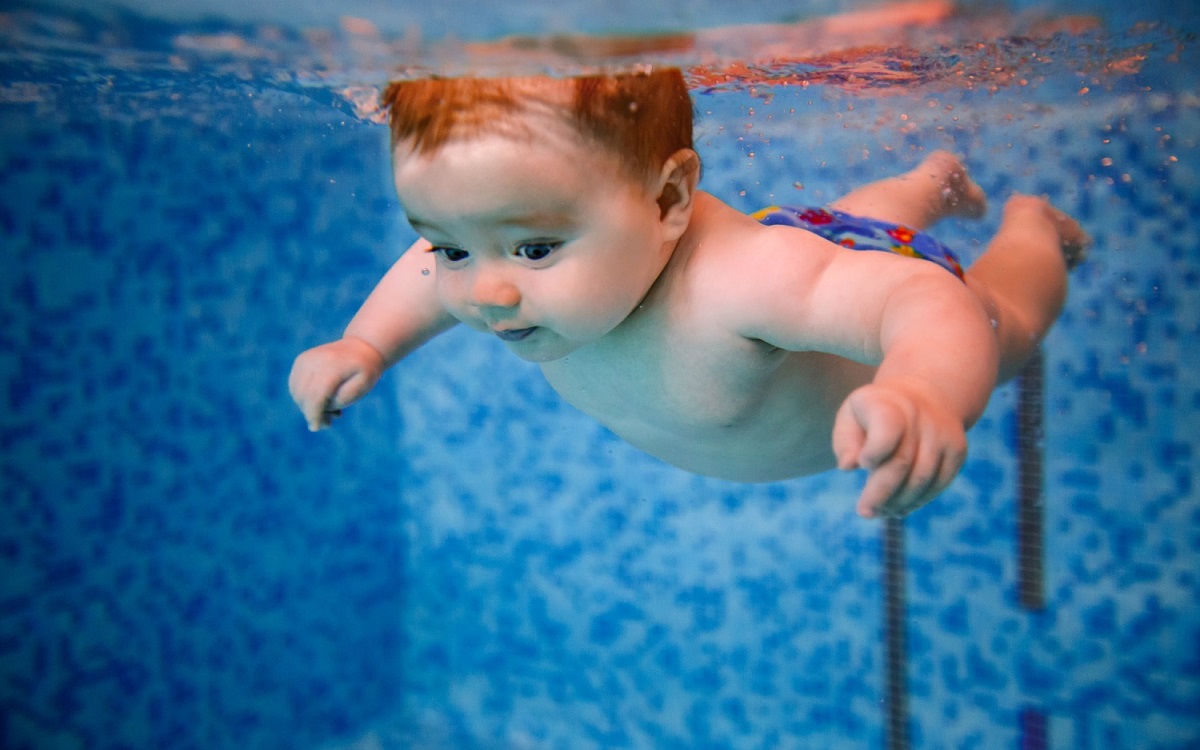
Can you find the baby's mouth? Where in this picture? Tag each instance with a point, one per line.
(515, 334)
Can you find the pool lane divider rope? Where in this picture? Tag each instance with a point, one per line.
(895, 619)
(1031, 593)
(1033, 730)
(1030, 432)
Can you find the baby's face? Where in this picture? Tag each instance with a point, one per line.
(545, 242)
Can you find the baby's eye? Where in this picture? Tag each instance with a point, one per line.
(451, 254)
(537, 250)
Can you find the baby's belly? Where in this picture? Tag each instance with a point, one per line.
(786, 433)
(766, 417)
(743, 453)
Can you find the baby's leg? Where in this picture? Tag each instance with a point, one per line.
(938, 187)
(1022, 277)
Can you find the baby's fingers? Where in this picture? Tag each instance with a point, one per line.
(923, 481)
(883, 483)
(933, 475)
(317, 413)
(313, 391)
(867, 431)
(934, 468)
(886, 435)
(325, 420)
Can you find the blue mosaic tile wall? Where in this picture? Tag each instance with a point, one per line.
(182, 567)
(464, 562)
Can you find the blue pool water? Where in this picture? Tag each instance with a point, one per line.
(465, 562)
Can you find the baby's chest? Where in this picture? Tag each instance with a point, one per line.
(670, 388)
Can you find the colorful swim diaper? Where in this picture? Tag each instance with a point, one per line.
(862, 233)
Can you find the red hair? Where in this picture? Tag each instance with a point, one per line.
(641, 118)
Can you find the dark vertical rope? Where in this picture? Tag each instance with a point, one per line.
(1030, 518)
(1033, 730)
(1030, 409)
(895, 637)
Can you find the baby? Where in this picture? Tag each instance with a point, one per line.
(563, 217)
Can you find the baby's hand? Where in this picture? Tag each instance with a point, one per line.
(330, 377)
(911, 445)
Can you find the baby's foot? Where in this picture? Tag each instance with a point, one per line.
(1073, 241)
(960, 195)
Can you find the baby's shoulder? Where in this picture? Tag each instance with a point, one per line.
(724, 231)
(743, 278)
(729, 248)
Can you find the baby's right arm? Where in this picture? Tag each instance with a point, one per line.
(401, 314)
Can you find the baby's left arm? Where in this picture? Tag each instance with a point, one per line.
(935, 352)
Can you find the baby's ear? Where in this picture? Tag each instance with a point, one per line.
(677, 190)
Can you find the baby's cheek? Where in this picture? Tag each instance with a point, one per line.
(465, 316)
(454, 303)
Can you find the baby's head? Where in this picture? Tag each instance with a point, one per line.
(640, 119)
(551, 206)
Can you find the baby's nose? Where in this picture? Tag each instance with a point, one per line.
(493, 290)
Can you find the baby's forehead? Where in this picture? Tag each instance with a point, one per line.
(534, 126)
(538, 149)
